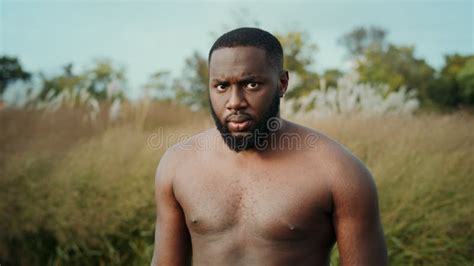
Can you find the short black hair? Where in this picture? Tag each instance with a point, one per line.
(252, 37)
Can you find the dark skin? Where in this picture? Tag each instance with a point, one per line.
(277, 206)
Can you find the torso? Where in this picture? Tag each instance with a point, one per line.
(265, 211)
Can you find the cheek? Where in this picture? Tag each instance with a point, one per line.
(216, 101)
(258, 104)
(217, 104)
(261, 101)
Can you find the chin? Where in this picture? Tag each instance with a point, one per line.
(241, 133)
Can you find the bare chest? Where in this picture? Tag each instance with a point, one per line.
(273, 205)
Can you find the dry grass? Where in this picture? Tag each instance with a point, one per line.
(423, 167)
(79, 193)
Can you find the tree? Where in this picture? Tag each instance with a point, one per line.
(379, 62)
(193, 89)
(395, 66)
(11, 71)
(298, 58)
(54, 85)
(106, 79)
(465, 79)
(331, 76)
(360, 39)
(454, 84)
(158, 86)
(102, 80)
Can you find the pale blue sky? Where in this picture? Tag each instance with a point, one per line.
(148, 36)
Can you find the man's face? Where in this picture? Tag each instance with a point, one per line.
(244, 94)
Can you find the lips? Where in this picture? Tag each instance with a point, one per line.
(239, 126)
(238, 123)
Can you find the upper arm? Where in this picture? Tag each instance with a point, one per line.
(356, 216)
(172, 244)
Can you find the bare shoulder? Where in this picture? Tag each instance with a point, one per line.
(185, 151)
(341, 167)
(355, 211)
(351, 184)
(350, 177)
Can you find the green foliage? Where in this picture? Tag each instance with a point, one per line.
(465, 79)
(158, 86)
(192, 88)
(65, 81)
(102, 80)
(331, 76)
(298, 58)
(360, 39)
(99, 83)
(442, 92)
(101, 75)
(11, 71)
(454, 64)
(396, 66)
(379, 62)
(454, 85)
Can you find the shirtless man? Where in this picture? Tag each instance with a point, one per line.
(247, 193)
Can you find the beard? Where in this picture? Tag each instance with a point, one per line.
(257, 136)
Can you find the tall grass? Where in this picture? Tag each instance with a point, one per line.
(423, 167)
(73, 192)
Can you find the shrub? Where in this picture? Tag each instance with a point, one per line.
(352, 97)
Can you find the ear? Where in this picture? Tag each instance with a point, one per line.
(283, 82)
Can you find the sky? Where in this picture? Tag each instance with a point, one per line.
(150, 36)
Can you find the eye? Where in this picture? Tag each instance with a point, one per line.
(220, 87)
(252, 85)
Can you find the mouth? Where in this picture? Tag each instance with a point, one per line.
(239, 124)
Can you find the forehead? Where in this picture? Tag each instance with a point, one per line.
(238, 61)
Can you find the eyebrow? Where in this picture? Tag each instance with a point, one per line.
(244, 79)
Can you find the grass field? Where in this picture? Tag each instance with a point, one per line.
(81, 193)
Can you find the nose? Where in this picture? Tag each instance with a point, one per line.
(236, 99)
